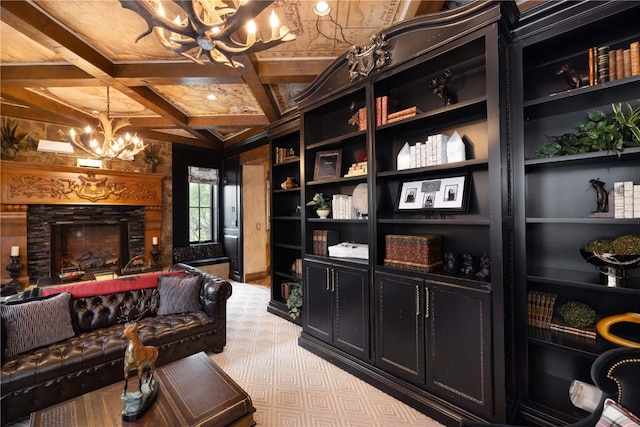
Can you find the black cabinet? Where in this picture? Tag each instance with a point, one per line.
(336, 306)
(458, 344)
(553, 210)
(400, 326)
(436, 335)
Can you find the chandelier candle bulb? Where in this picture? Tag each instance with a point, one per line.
(275, 24)
(15, 250)
(155, 241)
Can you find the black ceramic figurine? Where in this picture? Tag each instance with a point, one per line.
(602, 195)
(440, 86)
(574, 78)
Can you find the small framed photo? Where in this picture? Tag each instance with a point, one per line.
(328, 165)
(442, 194)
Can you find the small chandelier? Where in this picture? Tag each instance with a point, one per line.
(102, 142)
(209, 27)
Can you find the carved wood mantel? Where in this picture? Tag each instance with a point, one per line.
(23, 184)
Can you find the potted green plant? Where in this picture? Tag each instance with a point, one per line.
(294, 300)
(11, 140)
(321, 205)
(601, 132)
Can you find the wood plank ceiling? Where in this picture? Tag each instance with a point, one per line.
(57, 58)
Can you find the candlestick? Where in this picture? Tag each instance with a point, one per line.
(14, 271)
(155, 253)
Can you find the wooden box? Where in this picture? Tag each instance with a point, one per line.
(418, 253)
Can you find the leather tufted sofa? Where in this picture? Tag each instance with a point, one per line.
(93, 358)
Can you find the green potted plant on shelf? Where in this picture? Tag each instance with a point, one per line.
(601, 132)
(294, 300)
(321, 205)
(11, 140)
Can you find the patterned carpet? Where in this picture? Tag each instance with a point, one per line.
(290, 386)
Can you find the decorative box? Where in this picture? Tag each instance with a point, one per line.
(350, 250)
(417, 253)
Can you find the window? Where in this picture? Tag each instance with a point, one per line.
(203, 205)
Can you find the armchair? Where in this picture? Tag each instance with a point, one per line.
(617, 373)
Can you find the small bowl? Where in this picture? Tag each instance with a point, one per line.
(71, 276)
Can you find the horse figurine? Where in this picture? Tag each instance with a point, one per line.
(137, 356)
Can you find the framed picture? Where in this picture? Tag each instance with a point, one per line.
(328, 164)
(442, 194)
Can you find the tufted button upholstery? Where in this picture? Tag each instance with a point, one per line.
(94, 357)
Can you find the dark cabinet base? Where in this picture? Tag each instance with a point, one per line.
(431, 405)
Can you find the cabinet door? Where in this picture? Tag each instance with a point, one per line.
(458, 340)
(351, 329)
(400, 326)
(318, 301)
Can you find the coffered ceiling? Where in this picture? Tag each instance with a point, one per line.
(58, 57)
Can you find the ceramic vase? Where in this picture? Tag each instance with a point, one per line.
(322, 213)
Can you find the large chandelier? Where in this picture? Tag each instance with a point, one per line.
(102, 142)
(209, 26)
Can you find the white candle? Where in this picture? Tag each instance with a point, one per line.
(15, 250)
(155, 240)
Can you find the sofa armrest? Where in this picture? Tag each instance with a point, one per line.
(214, 291)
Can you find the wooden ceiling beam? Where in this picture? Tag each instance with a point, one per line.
(69, 116)
(291, 71)
(236, 120)
(252, 80)
(59, 75)
(177, 72)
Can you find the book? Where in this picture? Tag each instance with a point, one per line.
(634, 49)
(628, 199)
(562, 327)
(362, 118)
(626, 58)
(618, 200)
(619, 64)
(612, 65)
(636, 201)
(540, 309)
(378, 111)
(411, 111)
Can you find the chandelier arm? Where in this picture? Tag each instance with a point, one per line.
(175, 46)
(244, 14)
(147, 11)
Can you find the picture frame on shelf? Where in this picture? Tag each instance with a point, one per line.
(449, 194)
(328, 165)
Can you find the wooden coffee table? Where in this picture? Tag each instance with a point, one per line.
(193, 391)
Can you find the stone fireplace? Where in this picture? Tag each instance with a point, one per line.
(62, 216)
(90, 238)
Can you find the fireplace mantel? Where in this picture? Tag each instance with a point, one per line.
(23, 184)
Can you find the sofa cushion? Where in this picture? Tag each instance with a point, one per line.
(36, 323)
(614, 415)
(179, 294)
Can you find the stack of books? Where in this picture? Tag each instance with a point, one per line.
(402, 114)
(357, 169)
(626, 200)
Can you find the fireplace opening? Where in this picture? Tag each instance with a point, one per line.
(89, 246)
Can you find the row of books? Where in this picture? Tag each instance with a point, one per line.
(540, 309)
(282, 154)
(429, 153)
(626, 200)
(296, 267)
(607, 64)
(540, 315)
(384, 106)
(342, 207)
(322, 239)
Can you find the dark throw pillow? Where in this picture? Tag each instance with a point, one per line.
(37, 323)
(178, 294)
